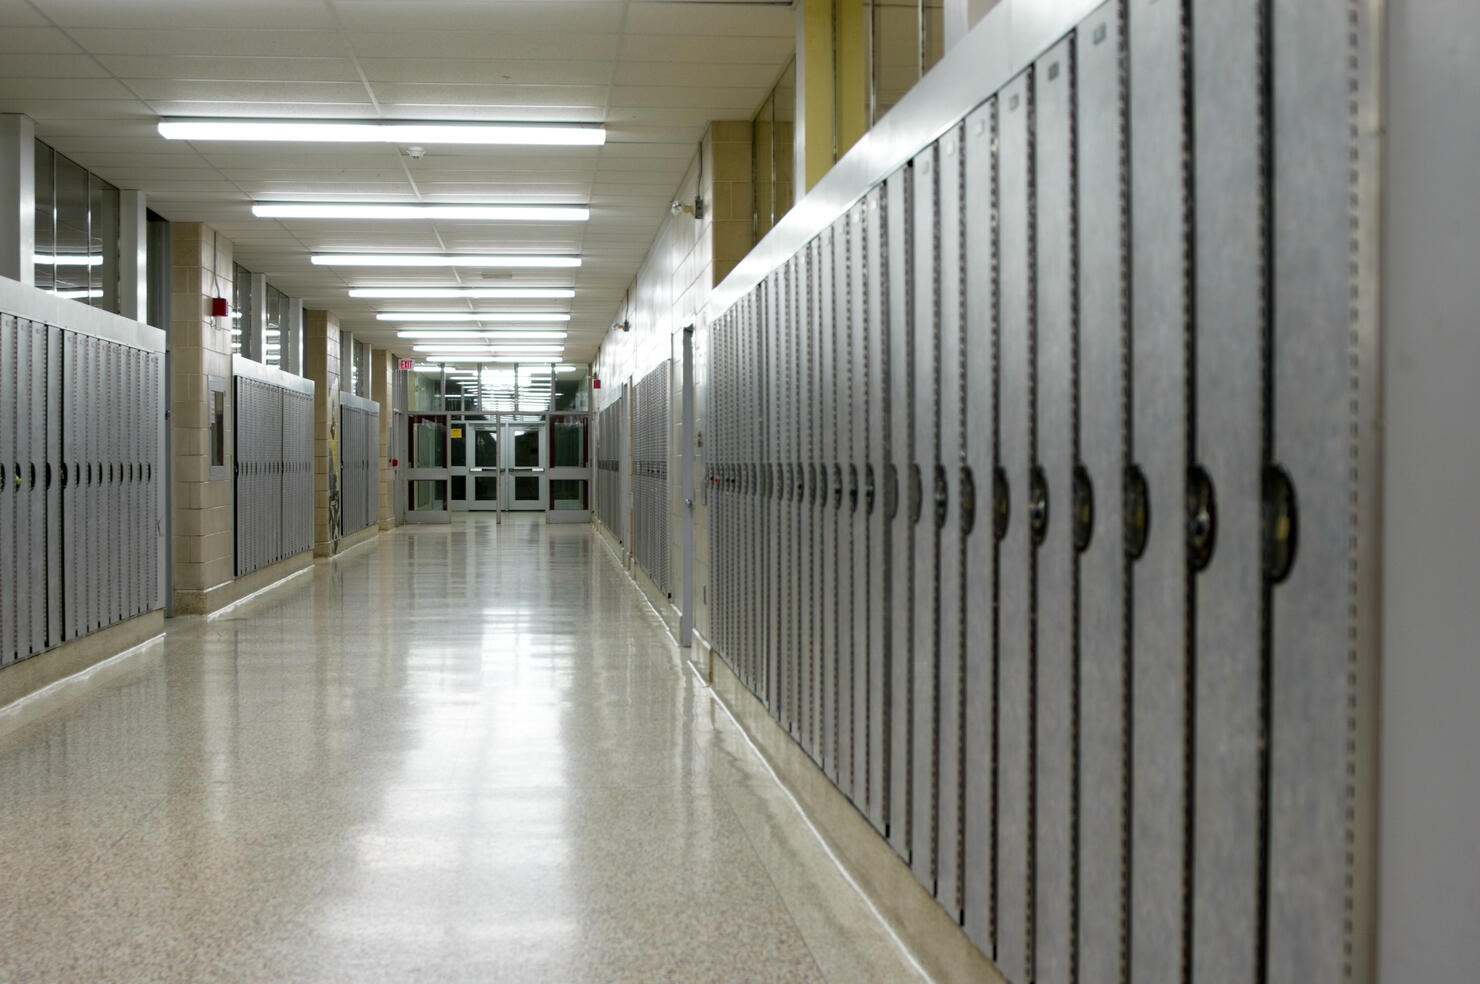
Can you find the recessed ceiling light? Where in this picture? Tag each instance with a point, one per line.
(373, 210)
(534, 334)
(531, 347)
(342, 131)
(506, 316)
(454, 293)
(506, 359)
(441, 259)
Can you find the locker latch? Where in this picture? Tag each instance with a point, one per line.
(837, 483)
(891, 491)
(1137, 512)
(968, 501)
(941, 496)
(1281, 524)
(916, 493)
(1202, 518)
(853, 488)
(1084, 509)
(1038, 505)
(868, 489)
(1001, 506)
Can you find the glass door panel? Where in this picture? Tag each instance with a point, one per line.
(428, 476)
(524, 450)
(483, 465)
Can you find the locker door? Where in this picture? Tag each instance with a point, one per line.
(899, 260)
(1320, 855)
(1229, 290)
(1100, 83)
(946, 509)
(35, 412)
(107, 457)
(843, 330)
(817, 497)
(857, 509)
(876, 604)
(828, 428)
(1015, 725)
(1159, 333)
(71, 488)
(52, 538)
(9, 491)
(790, 538)
(1055, 446)
(979, 192)
(925, 762)
(771, 566)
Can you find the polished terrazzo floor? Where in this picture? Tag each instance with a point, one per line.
(454, 754)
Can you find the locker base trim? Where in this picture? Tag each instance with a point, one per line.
(71, 664)
(928, 933)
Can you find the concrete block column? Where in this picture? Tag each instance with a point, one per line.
(202, 546)
(321, 363)
(382, 390)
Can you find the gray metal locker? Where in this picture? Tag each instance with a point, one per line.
(844, 330)
(1228, 58)
(980, 401)
(1014, 737)
(828, 428)
(10, 491)
(1103, 316)
(875, 345)
(923, 647)
(899, 262)
(1054, 457)
(1159, 329)
(951, 597)
(857, 509)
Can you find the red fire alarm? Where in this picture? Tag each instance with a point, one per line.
(595, 383)
(219, 308)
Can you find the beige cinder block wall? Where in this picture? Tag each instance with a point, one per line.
(382, 388)
(321, 364)
(200, 351)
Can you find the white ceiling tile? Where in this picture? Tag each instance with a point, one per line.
(446, 111)
(480, 15)
(35, 41)
(686, 73)
(53, 66)
(186, 14)
(486, 46)
(708, 49)
(61, 109)
(63, 88)
(753, 19)
(19, 13)
(298, 94)
(689, 97)
(254, 67)
(521, 96)
(236, 43)
(227, 107)
(490, 72)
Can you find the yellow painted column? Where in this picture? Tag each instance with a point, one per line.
(850, 70)
(816, 135)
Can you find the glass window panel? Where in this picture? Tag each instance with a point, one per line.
(526, 488)
(762, 166)
(485, 488)
(568, 443)
(425, 390)
(428, 442)
(277, 339)
(527, 448)
(568, 493)
(73, 253)
(103, 215)
(428, 495)
(46, 216)
(485, 447)
(459, 487)
(783, 144)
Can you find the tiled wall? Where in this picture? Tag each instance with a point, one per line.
(200, 347)
(321, 364)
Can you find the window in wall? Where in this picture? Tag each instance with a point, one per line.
(76, 240)
(277, 312)
(241, 310)
(362, 369)
(773, 144)
(908, 39)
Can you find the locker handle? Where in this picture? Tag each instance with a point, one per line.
(837, 483)
(941, 496)
(868, 489)
(1038, 505)
(891, 491)
(968, 501)
(853, 488)
(916, 494)
(1281, 523)
(1084, 509)
(799, 480)
(1001, 504)
(1137, 512)
(1202, 518)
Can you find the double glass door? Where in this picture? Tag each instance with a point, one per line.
(492, 459)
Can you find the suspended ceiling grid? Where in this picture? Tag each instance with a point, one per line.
(96, 75)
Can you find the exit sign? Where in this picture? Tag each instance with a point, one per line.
(406, 364)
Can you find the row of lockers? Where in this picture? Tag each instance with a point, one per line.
(611, 422)
(79, 484)
(274, 466)
(359, 450)
(1004, 473)
(651, 409)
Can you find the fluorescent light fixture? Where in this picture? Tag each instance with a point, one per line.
(505, 359)
(444, 347)
(533, 334)
(470, 293)
(567, 368)
(347, 131)
(68, 259)
(515, 316)
(436, 369)
(378, 210)
(442, 259)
